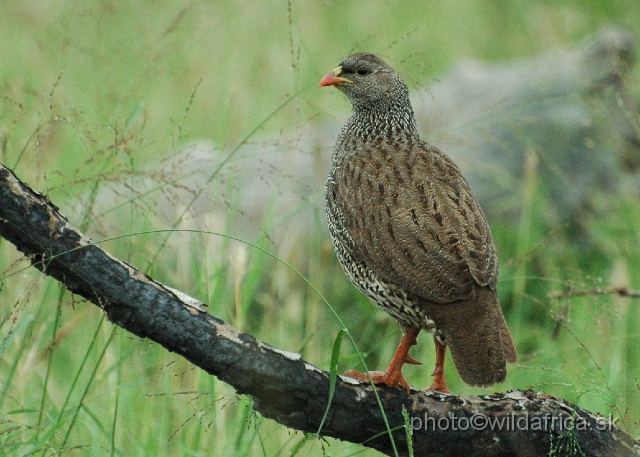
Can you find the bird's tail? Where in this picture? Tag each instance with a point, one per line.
(479, 339)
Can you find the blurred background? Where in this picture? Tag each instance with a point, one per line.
(137, 118)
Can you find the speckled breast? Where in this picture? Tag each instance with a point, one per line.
(394, 300)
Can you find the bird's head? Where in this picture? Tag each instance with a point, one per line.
(367, 80)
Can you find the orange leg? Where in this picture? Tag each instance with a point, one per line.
(439, 384)
(393, 375)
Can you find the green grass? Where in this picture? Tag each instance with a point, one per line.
(97, 95)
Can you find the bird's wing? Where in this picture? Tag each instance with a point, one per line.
(413, 220)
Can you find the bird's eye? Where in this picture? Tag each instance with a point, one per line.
(362, 71)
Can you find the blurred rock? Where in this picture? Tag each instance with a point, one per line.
(571, 110)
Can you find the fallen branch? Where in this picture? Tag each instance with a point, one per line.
(284, 387)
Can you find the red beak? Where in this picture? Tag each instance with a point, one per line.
(332, 80)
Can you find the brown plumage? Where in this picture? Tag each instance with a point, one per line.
(410, 234)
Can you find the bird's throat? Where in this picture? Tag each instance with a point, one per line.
(381, 122)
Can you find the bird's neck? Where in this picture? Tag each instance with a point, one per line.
(390, 120)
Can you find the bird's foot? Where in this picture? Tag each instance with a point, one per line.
(393, 376)
(381, 377)
(439, 385)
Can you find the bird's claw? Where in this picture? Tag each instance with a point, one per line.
(381, 377)
(439, 387)
(411, 360)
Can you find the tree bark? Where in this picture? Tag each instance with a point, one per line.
(284, 387)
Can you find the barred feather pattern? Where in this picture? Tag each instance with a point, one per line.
(407, 229)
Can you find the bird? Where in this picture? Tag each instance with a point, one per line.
(410, 234)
